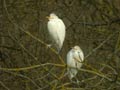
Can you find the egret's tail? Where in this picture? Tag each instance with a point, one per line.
(59, 50)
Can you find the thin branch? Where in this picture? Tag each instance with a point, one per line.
(100, 24)
(9, 47)
(23, 76)
(2, 84)
(100, 45)
(30, 67)
(99, 74)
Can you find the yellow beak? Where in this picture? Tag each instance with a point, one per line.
(48, 17)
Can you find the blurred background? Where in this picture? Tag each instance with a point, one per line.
(27, 64)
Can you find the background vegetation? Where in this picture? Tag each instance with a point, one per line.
(27, 64)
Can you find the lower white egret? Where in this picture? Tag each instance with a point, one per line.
(75, 57)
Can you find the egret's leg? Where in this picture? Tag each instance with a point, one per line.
(59, 49)
(51, 44)
(72, 81)
(77, 82)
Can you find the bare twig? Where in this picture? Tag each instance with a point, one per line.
(23, 76)
(2, 84)
(9, 47)
(99, 24)
(30, 67)
(101, 44)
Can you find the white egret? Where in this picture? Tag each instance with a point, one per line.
(56, 29)
(75, 57)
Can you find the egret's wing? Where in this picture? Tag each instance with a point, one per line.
(56, 29)
(61, 31)
(77, 59)
(79, 56)
(71, 64)
(69, 59)
(53, 28)
(58, 41)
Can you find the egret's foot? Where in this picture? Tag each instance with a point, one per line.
(49, 45)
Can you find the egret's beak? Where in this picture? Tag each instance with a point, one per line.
(48, 17)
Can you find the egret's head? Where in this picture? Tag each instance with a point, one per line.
(75, 48)
(52, 16)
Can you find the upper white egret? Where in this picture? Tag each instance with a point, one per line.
(75, 57)
(56, 28)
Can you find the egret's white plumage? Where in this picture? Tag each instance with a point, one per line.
(75, 57)
(56, 28)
